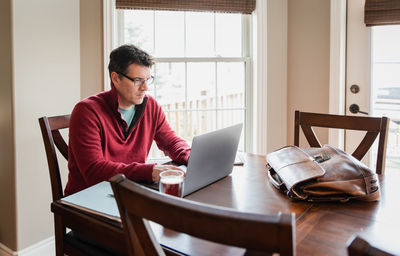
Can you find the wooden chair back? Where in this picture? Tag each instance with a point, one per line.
(360, 247)
(259, 234)
(52, 138)
(66, 243)
(373, 126)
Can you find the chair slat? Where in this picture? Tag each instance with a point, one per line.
(341, 122)
(59, 122)
(382, 146)
(310, 136)
(365, 145)
(60, 143)
(54, 169)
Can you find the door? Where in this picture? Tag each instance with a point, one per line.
(373, 79)
(358, 69)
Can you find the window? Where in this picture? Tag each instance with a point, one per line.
(386, 85)
(202, 67)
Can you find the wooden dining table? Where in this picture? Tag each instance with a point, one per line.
(321, 228)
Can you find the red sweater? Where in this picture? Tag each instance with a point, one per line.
(102, 145)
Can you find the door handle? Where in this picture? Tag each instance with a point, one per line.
(354, 108)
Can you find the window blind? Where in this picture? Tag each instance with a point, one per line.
(229, 6)
(382, 12)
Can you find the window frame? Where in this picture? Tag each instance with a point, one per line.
(246, 58)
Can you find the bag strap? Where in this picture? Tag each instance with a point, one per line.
(276, 181)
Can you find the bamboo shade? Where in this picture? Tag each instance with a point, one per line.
(230, 6)
(382, 12)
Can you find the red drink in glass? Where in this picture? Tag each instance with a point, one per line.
(171, 183)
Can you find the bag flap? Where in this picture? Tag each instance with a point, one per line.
(294, 166)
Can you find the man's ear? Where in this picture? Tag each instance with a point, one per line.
(115, 78)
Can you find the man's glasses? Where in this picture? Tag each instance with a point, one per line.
(138, 81)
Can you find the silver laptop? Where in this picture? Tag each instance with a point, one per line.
(211, 158)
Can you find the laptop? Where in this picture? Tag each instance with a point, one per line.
(211, 158)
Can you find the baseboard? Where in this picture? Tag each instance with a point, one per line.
(5, 251)
(42, 248)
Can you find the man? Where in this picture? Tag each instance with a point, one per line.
(112, 132)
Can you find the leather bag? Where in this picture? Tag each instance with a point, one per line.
(321, 175)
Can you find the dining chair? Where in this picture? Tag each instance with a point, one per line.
(258, 234)
(373, 126)
(70, 243)
(360, 247)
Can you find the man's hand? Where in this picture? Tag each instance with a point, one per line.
(157, 169)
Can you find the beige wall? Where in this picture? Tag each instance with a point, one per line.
(41, 43)
(41, 64)
(277, 27)
(308, 61)
(46, 56)
(91, 43)
(7, 176)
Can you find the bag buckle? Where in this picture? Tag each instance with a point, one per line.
(321, 158)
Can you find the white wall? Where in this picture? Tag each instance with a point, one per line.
(46, 82)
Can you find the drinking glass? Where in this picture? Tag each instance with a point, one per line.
(171, 182)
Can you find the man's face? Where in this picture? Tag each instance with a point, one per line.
(129, 92)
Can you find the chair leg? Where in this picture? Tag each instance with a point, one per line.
(59, 232)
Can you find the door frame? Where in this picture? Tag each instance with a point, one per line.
(347, 59)
(337, 73)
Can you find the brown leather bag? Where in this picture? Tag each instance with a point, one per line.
(321, 174)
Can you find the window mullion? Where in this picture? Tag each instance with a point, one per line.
(186, 94)
(215, 34)
(244, 38)
(121, 27)
(216, 95)
(186, 103)
(154, 32)
(215, 73)
(155, 84)
(184, 34)
(154, 50)
(202, 59)
(248, 92)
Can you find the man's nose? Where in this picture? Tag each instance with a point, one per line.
(144, 86)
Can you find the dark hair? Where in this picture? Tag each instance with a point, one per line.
(125, 55)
